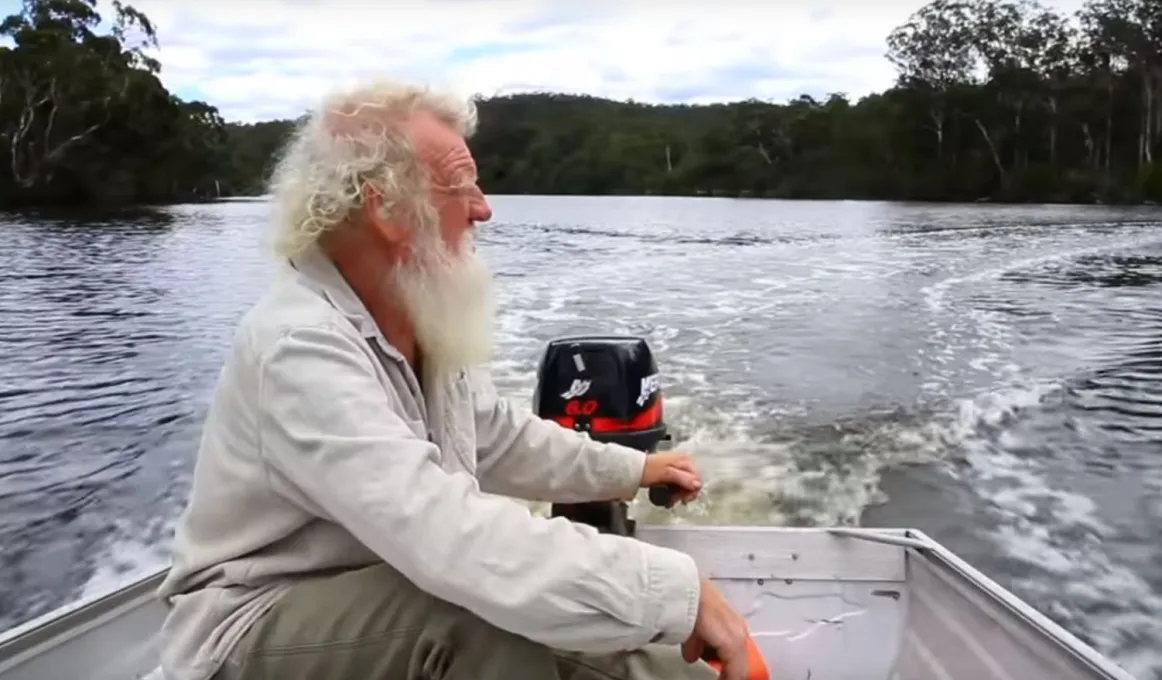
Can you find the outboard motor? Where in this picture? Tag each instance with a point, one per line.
(608, 387)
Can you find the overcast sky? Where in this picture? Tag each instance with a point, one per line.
(260, 59)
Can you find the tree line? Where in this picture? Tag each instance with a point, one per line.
(1003, 100)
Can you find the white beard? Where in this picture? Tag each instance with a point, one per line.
(449, 301)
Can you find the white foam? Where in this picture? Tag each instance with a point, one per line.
(124, 562)
(1085, 589)
(1056, 532)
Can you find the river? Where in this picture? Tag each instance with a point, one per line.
(989, 374)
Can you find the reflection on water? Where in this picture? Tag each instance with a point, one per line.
(994, 369)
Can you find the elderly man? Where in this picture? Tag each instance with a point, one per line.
(348, 517)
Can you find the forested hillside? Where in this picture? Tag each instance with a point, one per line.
(996, 99)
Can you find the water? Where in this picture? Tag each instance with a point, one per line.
(988, 374)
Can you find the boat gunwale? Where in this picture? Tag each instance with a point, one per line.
(69, 621)
(933, 550)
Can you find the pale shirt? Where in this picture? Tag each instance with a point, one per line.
(320, 453)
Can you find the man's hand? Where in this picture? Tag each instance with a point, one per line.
(676, 469)
(721, 628)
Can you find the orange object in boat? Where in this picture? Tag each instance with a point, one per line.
(756, 664)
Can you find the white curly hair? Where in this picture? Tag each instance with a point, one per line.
(353, 141)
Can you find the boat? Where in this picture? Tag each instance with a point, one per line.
(828, 603)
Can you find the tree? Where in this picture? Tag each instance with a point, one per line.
(84, 117)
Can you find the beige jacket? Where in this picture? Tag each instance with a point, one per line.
(320, 452)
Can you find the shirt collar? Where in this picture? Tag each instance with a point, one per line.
(318, 272)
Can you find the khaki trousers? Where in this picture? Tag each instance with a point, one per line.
(374, 624)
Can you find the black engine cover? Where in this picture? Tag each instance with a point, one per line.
(605, 385)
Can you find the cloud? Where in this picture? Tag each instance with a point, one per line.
(262, 59)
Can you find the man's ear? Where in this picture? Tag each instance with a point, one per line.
(391, 231)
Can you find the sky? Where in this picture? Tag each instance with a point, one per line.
(263, 59)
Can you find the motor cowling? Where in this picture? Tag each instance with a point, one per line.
(608, 387)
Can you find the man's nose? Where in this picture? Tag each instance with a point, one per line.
(481, 210)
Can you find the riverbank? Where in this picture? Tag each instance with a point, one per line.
(51, 211)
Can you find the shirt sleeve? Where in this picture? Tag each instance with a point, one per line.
(523, 455)
(327, 427)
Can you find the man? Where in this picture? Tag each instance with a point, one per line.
(348, 516)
